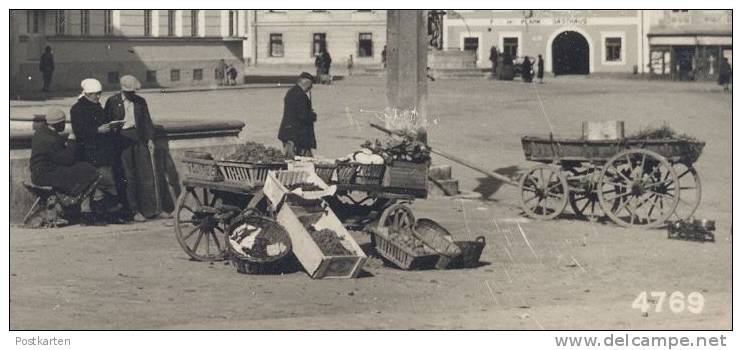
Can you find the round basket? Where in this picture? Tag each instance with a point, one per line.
(256, 244)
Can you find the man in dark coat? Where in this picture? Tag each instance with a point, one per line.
(46, 66)
(326, 64)
(297, 126)
(93, 131)
(527, 69)
(53, 164)
(725, 73)
(493, 59)
(147, 194)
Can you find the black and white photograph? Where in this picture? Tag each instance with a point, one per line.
(369, 170)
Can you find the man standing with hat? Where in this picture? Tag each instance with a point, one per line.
(297, 126)
(145, 193)
(53, 164)
(94, 135)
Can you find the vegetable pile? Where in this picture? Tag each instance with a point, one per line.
(253, 152)
(400, 148)
(405, 239)
(694, 145)
(329, 242)
(305, 186)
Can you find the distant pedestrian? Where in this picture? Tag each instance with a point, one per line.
(326, 64)
(725, 73)
(46, 66)
(350, 65)
(527, 70)
(383, 57)
(493, 59)
(231, 75)
(540, 69)
(221, 72)
(318, 64)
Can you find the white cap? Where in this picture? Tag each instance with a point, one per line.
(90, 86)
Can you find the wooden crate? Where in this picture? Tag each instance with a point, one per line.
(310, 255)
(401, 256)
(252, 174)
(202, 169)
(401, 174)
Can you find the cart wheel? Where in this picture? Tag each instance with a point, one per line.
(583, 196)
(643, 192)
(199, 232)
(397, 217)
(259, 204)
(689, 184)
(543, 192)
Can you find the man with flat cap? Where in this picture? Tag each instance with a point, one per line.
(94, 137)
(53, 164)
(145, 194)
(297, 126)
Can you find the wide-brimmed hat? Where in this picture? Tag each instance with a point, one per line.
(305, 75)
(54, 116)
(129, 83)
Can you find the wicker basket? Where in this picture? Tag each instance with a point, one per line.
(325, 171)
(471, 251)
(369, 174)
(202, 169)
(269, 232)
(401, 256)
(252, 174)
(346, 172)
(440, 240)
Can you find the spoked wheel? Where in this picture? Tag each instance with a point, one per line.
(397, 217)
(583, 195)
(689, 184)
(644, 187)
(198, 229)
(356, 209)
(543, 192)
(259, 205)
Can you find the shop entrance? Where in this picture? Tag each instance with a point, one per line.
(570, 54)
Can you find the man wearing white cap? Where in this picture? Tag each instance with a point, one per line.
(147, 193)
(53, 164)
(94, 133)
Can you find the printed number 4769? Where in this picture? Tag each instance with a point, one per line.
(677, 302)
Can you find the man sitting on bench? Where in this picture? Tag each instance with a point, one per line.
(53, 164)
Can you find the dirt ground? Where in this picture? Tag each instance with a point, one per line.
(560, 274)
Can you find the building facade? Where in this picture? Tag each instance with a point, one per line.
(688, 44)
(295, 37)
(162, 48)
(571, 42)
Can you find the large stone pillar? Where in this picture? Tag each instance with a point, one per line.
(407, 58)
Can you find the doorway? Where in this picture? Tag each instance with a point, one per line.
(570, 54)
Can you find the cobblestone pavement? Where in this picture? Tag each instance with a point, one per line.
(560, 274)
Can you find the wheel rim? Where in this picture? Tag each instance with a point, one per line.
(583, 197)
(543, 192)
(198, 231)
(689, 185)
(637, 189)
(397, 217)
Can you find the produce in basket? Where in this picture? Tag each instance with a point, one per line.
(305, 186)
(329, 242)
(256, 243)
(406, 239)
(400, 148)
(253, 152)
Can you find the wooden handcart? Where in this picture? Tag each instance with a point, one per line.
(635, 182)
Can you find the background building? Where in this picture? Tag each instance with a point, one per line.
(688, 44)
(160, 47)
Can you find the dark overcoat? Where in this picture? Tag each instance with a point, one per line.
(53, 163)
(114, 110)
(97, 149)
(46, 63)
(298, 120)
(725, 73)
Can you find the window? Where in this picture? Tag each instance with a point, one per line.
(276, 45)
(194, 22)
(510, 47)
(613, 49)
(113, 77)
(147, 22)
(198, 74)
(175, 75)
(33, 20)
(319, 43)
(108, 22)
(59, 22)
(170, 22)
(84, 22)
(233, 23)
(151, 76)
(365, 45)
